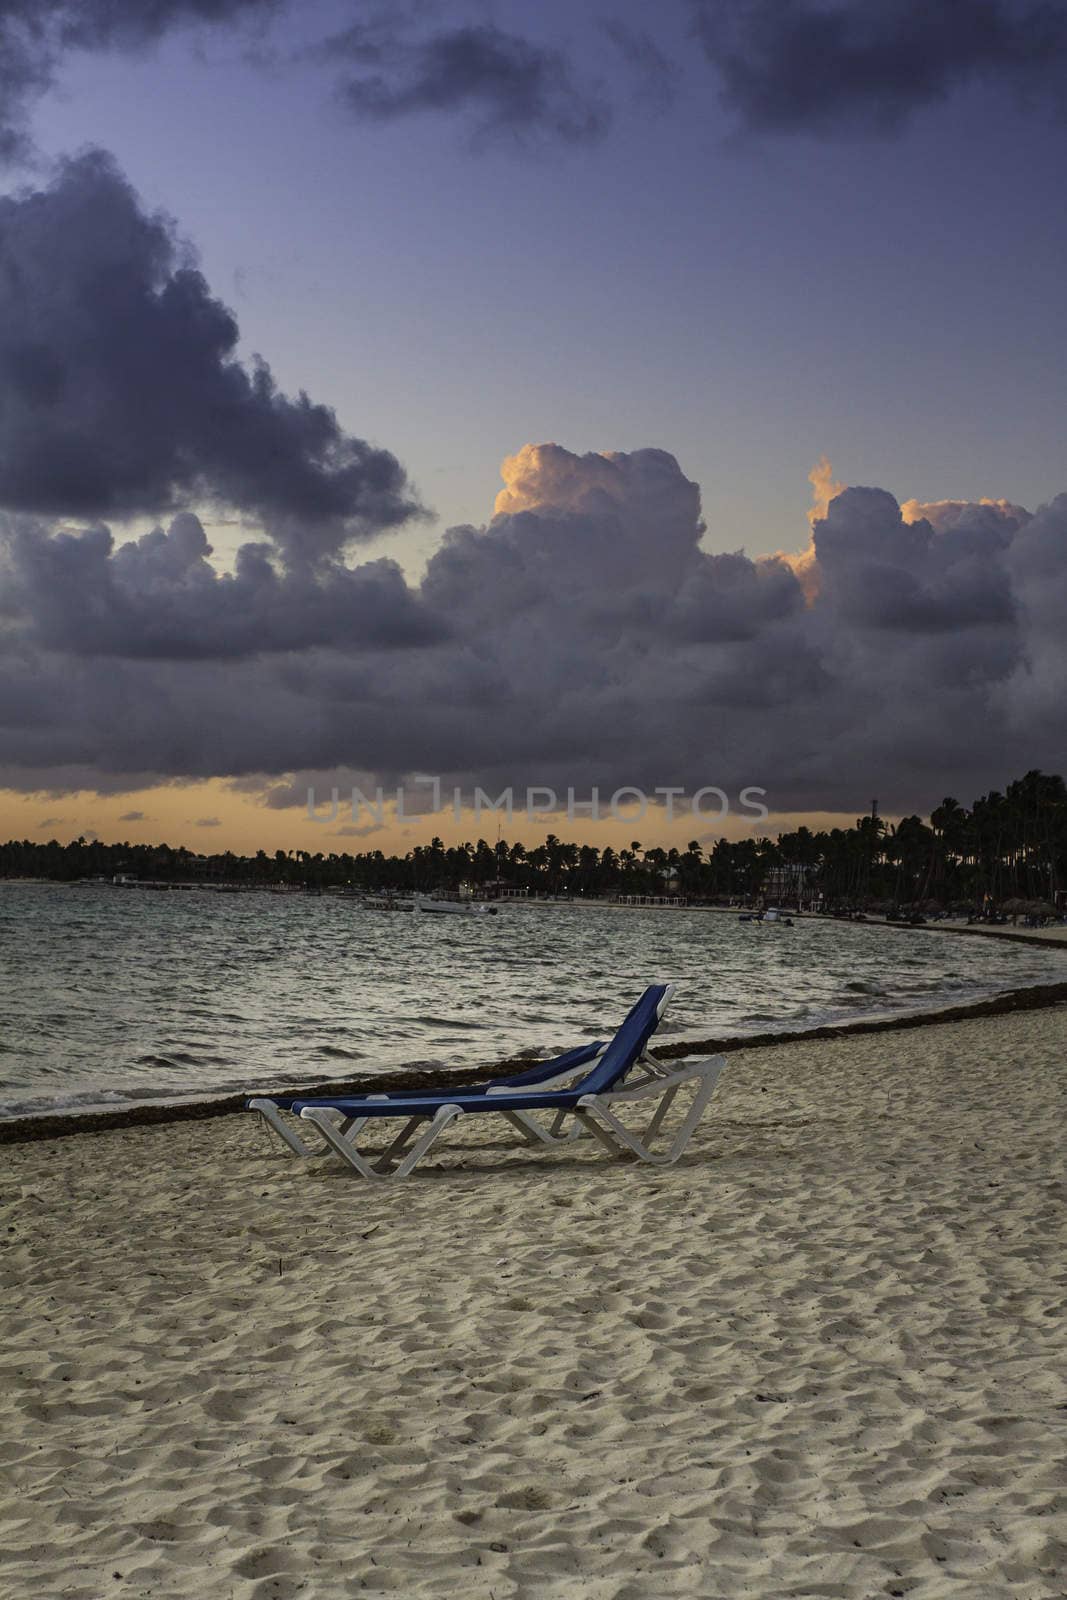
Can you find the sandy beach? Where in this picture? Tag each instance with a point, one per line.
(1053, 934)
(822, 1356)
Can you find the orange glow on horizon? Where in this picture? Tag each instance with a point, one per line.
(212, 817)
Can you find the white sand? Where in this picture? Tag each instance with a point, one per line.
(824, 1356)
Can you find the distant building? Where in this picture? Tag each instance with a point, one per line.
(501, 889)
(790, 881)
(650, 899)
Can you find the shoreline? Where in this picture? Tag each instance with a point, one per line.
(59, 1125)
(1050, 939)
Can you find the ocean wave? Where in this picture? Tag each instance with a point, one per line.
(199, 1013)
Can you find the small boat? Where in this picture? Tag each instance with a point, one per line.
(433, 905)
(388, 902)
(771, 915)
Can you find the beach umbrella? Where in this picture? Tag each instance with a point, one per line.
(1015, 907)
(1040, 908)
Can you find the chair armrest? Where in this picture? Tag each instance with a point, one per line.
(644, 1091)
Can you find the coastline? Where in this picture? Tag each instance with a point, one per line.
(1051, 938)
(818, 1353)
(59, 1125)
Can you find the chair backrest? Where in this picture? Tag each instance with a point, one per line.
(633, 1035)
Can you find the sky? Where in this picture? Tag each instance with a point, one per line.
(285, 289)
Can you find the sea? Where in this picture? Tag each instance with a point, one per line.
(112, 996)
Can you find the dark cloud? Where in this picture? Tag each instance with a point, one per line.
(393, 62)
(120, 390)
(503, 83)
(131, 24)
(132, 816)
(159, 597)
(655, 75)
(36, 34)
(785, 65)
(886, 573)
(25, 72)
(820, 65)
(1036, 561)
(583, 637)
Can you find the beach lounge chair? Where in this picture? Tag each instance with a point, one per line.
(595, 1102)
(554, 1073)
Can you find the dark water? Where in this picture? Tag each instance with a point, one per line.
(109, 996)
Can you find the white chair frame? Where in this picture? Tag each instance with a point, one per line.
(597, 1114)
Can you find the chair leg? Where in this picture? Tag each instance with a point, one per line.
(532, 1131)
(392, 1152)
(276, 1124)
(421, 1146)
(602, 1121)
(562, 1131)
(605, 1124)
(525, 1127)
(588, 1116)
(324, 1119)
(659, 1114)
(705, 1090)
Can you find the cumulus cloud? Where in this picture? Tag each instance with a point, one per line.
(36, 34)
(998, 516)
(1036, 561)
(585, 636)
(160, 597)
(503, 83)
(804, 564)
(824, 488)
(884, 573)
(824, 65)
(120, 389)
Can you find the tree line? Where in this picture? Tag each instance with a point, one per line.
(1005, 847)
